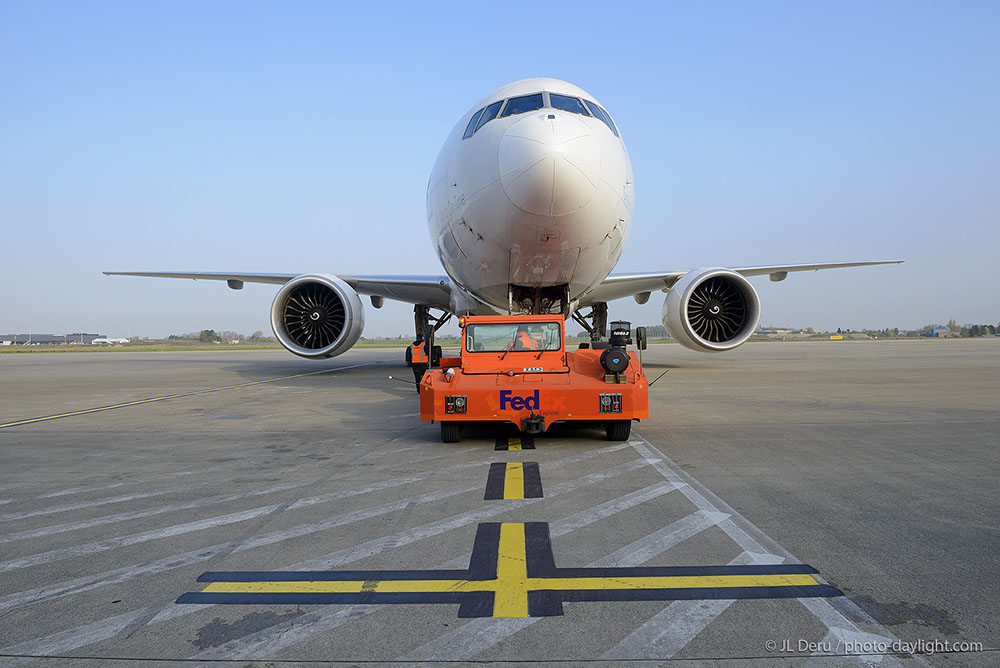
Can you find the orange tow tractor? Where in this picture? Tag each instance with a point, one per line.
(516, 369)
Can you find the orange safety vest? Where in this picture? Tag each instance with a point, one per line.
(418, 353)
(525, 341)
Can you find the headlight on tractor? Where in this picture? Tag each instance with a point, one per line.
(455, 403)
(611, 403)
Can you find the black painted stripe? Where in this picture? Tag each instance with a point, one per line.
(674, 571)
(330, 576)
(501, 443)
(483, 563)
(538, 549)
(532, 481)
(495, 482)
(503, 440)
(476, 604)
(541, 603)
(548, 603)
(306, 598)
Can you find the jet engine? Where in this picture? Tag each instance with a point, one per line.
(711, 310)
(317, 316)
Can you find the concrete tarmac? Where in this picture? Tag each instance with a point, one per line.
(875, 463)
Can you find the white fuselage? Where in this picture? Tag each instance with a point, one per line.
(537, 199)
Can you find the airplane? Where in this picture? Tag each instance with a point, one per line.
(529, 206)
(108, 341)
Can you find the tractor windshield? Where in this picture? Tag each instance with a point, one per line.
(503, 337)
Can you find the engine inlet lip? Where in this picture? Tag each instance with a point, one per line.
(750, 318)
(311, 316)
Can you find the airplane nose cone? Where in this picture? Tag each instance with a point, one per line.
(550, 163)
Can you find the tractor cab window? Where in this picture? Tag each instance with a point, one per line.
(512, 337)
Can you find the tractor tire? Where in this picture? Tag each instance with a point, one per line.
(451, 432)
(617, 430)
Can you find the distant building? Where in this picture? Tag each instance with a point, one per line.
(46, 339)
(944, 333)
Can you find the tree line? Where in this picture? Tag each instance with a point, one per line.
(211, 336)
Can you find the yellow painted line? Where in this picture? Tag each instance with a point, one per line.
(672, 582)
(171, 396)
(511, 585)
(513, 484)
(511, 597)
(513, 443)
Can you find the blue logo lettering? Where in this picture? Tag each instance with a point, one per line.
(530, 402)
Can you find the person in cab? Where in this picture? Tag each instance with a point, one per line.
(523, 340)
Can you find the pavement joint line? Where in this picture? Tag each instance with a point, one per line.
(703, 498)
(110, 519)
(368, 548)
(109, 627)
(106, 544)
(512, 573)
(119, 499)
(324, 624)
(104, 629)
(648, 458)
(479, 635)
(494, 629)
(261, 643)
(672, 628)
(84, 583)
(96, 488)
(10, 517)
(136, 514)
(179, 395)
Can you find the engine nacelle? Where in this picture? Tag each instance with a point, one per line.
(317, 315)
(711, 310)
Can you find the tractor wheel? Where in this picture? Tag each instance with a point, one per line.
(451, 432)
(617, 430)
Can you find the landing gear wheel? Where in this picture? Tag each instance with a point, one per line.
(617, 430)
(451, 432)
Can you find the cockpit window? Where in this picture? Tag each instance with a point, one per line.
(489, 113)
(471, 127)
(519, 105)
(601, 114)
(567, 103)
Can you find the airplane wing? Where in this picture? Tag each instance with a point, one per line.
(432, 291)
(618, 286)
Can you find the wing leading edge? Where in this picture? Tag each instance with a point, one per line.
(618, 286)
(433, 291)
(436, 291)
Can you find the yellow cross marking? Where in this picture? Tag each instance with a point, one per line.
(513, 482)
(511, 594)
(512, 584)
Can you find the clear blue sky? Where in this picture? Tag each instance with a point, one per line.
(298, 137)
